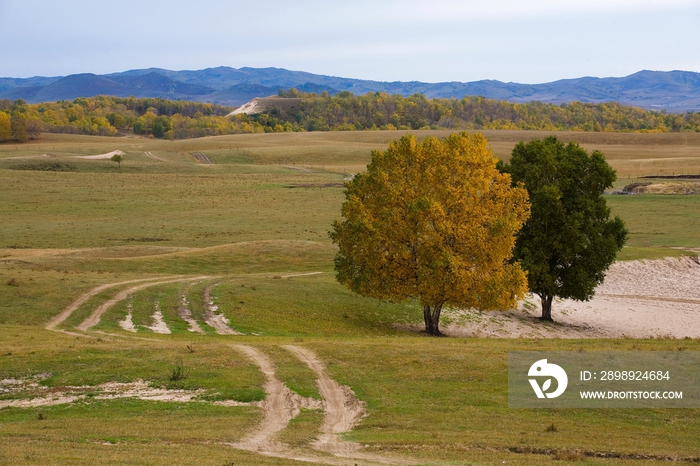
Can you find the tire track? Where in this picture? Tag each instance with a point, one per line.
(80, 300)
(185, 314)
(301, 274)
(158, 325)
(342, 409)
(149, 154)
(201, 157)
(218, 321)
(342, 412)
(94, 318)
(280, 406)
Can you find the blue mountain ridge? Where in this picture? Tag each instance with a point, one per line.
(673, 91)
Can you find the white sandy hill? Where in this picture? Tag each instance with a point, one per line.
(108, 155)
(248, 108)
(284, 105)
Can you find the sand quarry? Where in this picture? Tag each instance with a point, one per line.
(639, 299)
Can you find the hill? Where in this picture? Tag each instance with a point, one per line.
(673, 91)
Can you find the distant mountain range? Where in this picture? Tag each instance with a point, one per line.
(673, 91)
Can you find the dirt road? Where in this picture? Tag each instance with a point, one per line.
(94, 318)
(280, 406)
(82, 299)
(342, 409)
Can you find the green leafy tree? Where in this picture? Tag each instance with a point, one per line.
(435, 222)
(161, 125)
(570, 240)
(117, 158)
(139, 127)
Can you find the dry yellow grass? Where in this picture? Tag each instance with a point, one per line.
(631, 154)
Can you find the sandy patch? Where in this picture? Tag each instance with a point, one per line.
(247, 108)
(128, 322)
(213, 317)
(159, 325)
(47, 396)
(639, 299)
(29, 156)
(185, 314)
(108, 155)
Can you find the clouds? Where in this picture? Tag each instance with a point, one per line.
(511, 40)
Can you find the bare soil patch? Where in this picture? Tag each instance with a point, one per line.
(639, 299)
(128, 322)
(108, 155)
(159, 325)
(185, 314)
(675, 187)
(34, 395)
(214, 318)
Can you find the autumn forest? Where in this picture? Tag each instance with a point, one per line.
(166, 119)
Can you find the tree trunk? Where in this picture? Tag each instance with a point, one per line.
(432, 320)
(546, 307)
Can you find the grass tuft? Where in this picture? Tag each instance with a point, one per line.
(178, 371)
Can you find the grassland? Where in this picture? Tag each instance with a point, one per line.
(245, 222)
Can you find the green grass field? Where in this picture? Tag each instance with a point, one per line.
(255, 222)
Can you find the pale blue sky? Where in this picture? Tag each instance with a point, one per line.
(527, 41)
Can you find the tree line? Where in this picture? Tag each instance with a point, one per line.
(167, 119)
(111, 116)
(346, 111)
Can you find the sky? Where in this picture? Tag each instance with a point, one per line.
(526, 41)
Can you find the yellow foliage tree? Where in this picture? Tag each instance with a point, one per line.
(5, 127)
(435, 222)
